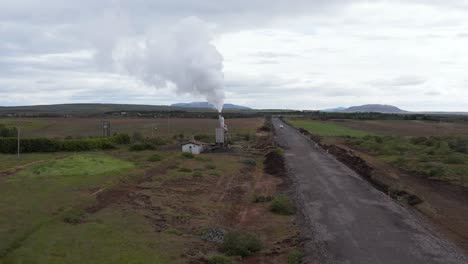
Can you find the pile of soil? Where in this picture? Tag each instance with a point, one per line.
(274, 164)
(361, 167)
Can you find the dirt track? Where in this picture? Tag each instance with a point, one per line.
(345, 220)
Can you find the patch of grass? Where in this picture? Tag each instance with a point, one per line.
(436, 157)
(155, 158)
(197, 174)
(188, 155)
(210, 166)
(74, 216)
(240, 244)
(111, 236)
(174, 231)
(219, 259)
(454, 159)
(295, 257)
(46, 191)
(185, 170)
(9, 161)
(261, 199)
(76, 165)
(282, 205)
(327, 129)
(249, 162)
(142, 146)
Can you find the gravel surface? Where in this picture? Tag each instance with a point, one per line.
(346, 220)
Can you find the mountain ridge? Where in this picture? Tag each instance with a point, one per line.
(208, 105)
(376, 108)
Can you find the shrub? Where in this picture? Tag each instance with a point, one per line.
(154, 158)
(249, 162)
(188, 155)
(240, 244)
(454, 159)
(137, 137)
(9, 145)
(436, 171)
(142, 146)
(294, 257)
(282, 205)
(174, 231)
(210, 166)
(219, 259)
(197, 174)
(121, 139)
(185, 170)
(204, 138)
(261, 199)
(8, 131)
(157, 141)
(74, 216)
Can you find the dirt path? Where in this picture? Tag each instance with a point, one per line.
(346, 220)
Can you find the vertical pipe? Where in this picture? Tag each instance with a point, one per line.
(18, 130)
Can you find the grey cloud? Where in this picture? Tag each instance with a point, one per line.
(406, 80)
(271, 54)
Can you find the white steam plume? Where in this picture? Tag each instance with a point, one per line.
(182, 55)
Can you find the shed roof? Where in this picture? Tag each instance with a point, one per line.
(195, 142)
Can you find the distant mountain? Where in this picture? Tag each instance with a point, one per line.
(82, 108)
(375, 108)
(337, 109)
(208, 105)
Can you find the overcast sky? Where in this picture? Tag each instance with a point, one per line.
(303, 54)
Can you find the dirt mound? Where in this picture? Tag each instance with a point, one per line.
(274, 164)
(360, 166)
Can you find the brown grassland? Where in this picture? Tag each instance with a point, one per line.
(92, 127)
(158, 206)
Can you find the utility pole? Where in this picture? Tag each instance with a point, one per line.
(168, 126)
(18, 130)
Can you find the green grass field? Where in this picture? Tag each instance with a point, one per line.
(327, 129)
(43, 192)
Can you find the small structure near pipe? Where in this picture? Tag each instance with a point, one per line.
(221, 132)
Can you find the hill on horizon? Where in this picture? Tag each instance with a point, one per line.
(208, 105)
(375, 108)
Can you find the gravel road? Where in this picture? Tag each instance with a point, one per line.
(345, 220)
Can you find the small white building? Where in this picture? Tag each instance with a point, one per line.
(193, 146)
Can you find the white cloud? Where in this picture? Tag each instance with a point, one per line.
(304, 54)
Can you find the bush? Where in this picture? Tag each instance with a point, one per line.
(219, 259)
(185, 170)
(157, 141)
(282, 205)
(294, 257)
(249, 162)
(8, 131)
(154, 158)
(188, 155)
(197, 174)
(204, 138)
(454, 159)
(210, 166)
(261, 199)
(28, 145)
(142, 146)
(240, 244)
(137, 137)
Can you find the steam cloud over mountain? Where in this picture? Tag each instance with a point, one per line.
(182, 55)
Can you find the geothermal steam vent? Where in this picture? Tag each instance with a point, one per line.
(221, 132)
